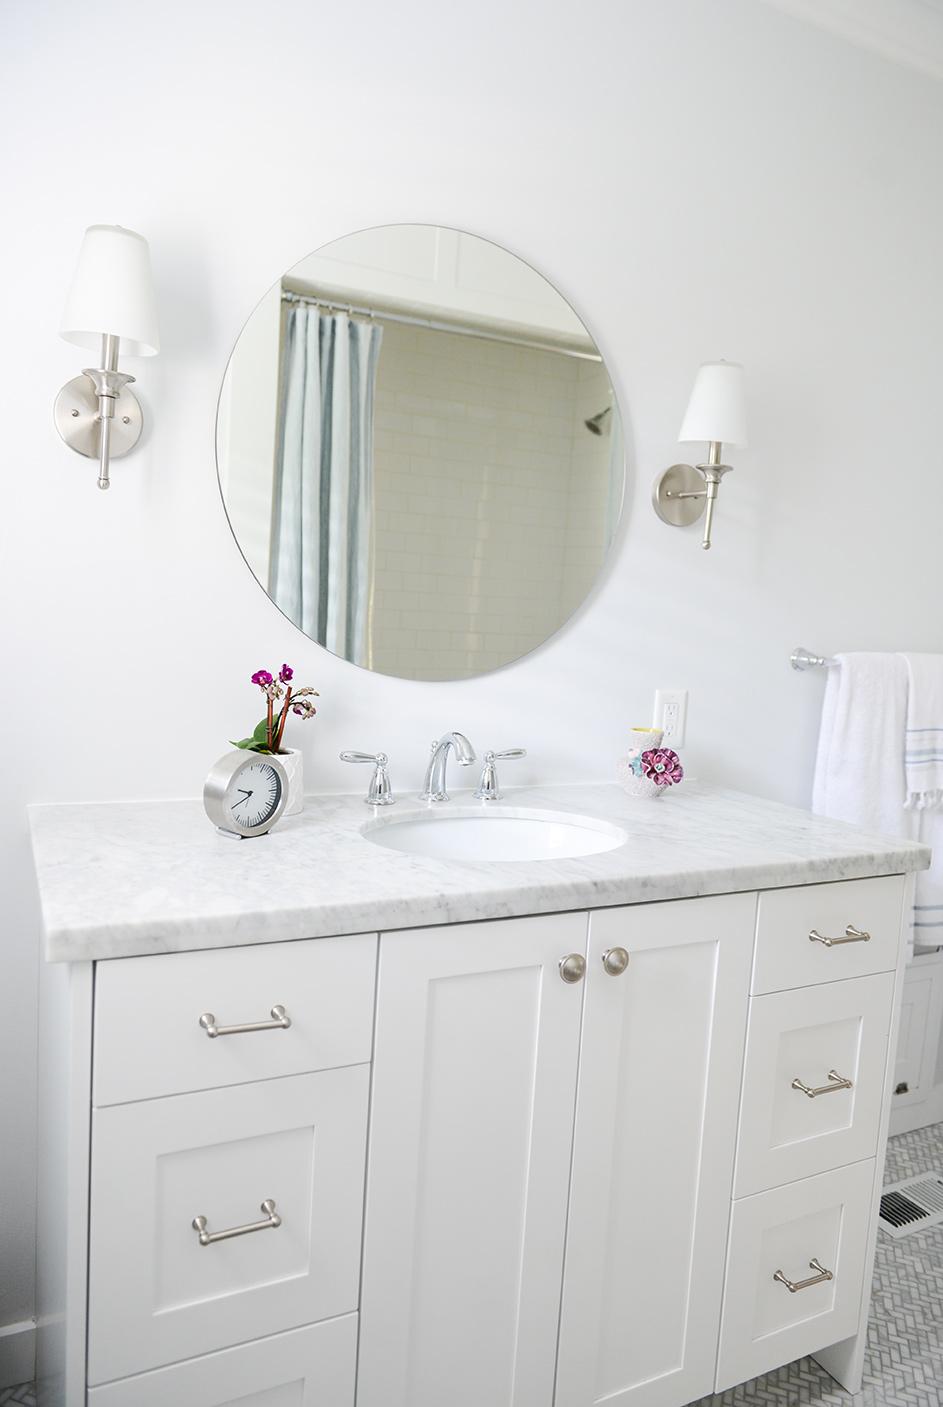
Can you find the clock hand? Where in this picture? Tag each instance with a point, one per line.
(245, 797)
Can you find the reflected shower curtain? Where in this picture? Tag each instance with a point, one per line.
(320, 572)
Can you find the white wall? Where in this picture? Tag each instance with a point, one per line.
(701, 178)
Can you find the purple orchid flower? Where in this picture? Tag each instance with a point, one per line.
(262, 678)
(286, 673)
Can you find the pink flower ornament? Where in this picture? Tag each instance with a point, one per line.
(662, 766)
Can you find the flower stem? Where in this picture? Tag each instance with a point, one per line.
(268, 724)
(282, 720)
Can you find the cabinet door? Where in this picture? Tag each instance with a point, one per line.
(470, 1139)
(795, 1271)
(795, 1118)
(157, 1294)
(660, 1065)
(921, 1014)
(309, 1367)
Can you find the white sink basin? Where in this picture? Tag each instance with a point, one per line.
(495, 832)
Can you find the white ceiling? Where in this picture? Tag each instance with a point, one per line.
(908, 32)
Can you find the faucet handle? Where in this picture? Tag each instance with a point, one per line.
(488, 785)
(379, 792)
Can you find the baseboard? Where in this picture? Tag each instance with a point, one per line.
(908, 1117)
(17, 1353)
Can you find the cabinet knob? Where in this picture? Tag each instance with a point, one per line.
(573, 967)
(615, 961)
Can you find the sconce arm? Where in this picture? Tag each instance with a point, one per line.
(96, 415)
(679, 503)
(711, 473)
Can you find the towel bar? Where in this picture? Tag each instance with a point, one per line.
(802, 659)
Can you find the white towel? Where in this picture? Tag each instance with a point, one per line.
(860, 776)
(859, 769)
(923, 766)
(923, 753)
(928, 900)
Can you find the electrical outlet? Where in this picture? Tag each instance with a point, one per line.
(671, 715)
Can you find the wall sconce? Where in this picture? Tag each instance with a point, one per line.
(111, 301)
(716, 413)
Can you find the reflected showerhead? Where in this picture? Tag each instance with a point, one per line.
(596, 425)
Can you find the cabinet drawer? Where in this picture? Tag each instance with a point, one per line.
(819, 1037)
(310, 1367)
(156, 1294)
(791, 923)
(148, 1037)
(824, 1219)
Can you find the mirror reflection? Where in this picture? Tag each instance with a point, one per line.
(420, 452)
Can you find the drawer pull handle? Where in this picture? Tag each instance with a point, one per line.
(280, 1022)
(794, 1285)
(272, 1222)
(835, 1082)
(615, 961)
(852, 935)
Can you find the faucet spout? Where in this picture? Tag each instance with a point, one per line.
(434, 786)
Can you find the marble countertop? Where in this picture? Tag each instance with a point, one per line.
(125, 879)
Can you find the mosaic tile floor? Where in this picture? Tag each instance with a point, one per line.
(904, 1364)
(18, 1396)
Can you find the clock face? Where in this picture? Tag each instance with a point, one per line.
(253, 795)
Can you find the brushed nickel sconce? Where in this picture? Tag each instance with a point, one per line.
(111, 302)
(716, 413)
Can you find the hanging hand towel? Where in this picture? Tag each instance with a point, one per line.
(860, 775)
(859, 769)
(923, 753)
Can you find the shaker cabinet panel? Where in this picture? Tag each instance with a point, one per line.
(149, 1038)
(660, 1065)
(158, 1291)
(795, 1271)
(310, 1367)
(827, 932)
(813, 1087)
(470, 1139)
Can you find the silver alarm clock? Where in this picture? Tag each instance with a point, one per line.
(245, 793)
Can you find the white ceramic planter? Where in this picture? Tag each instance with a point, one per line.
(292, 761)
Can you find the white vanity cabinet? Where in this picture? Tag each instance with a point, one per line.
(229, 1100)
(560, 1208)
(478, 1192)
(628, 1155)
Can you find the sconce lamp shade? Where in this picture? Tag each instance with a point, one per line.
(717, 408)
(112, 293)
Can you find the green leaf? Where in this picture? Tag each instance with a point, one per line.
(260, 733)
(246, 742)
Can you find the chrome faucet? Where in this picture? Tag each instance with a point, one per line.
(434, 787)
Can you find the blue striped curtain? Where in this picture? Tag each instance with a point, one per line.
(322, 521)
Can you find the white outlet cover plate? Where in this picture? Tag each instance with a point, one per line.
(671, 715)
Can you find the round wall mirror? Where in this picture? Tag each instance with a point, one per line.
(420, 452)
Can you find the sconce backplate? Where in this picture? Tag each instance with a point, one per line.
(679, 512)
(77, 419)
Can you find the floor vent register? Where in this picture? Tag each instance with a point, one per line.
(912, 1205)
